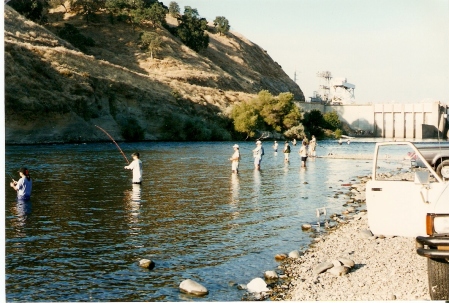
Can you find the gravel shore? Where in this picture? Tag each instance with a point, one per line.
(386, 268)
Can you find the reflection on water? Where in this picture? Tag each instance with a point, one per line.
(191, 216)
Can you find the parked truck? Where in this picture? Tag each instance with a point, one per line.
(437, 156)
(413, 201)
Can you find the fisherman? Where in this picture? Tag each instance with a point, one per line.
(275, 146)
(303, 153)
(235, 158)
(294, 142)
(340, 141)
(312, 147)
(24, 185)
(258, 152)
(136, 167)
(286, 151)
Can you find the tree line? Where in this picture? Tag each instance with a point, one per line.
(191, 29)
(280, 114)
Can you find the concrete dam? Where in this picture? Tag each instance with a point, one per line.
(391, 120)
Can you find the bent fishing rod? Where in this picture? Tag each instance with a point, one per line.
(110, 137)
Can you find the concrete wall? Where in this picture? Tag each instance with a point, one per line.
(390, 120)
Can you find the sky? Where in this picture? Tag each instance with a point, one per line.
(391, 50)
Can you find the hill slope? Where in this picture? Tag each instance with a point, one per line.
(56, 93)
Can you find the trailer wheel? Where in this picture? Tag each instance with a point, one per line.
(443, 169)
(438, 274)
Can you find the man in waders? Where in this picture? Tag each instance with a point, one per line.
(136, 167)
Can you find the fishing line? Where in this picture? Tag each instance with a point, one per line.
(110, 137)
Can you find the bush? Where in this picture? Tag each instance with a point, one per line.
(338, 133)
(71, 34)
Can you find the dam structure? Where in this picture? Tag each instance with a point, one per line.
(427, 120)
(390, 120)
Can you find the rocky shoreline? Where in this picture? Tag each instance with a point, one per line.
(385, 268)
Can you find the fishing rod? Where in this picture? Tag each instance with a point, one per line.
(110, 137)
(11, 177)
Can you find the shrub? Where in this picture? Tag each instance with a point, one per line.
(71, 34)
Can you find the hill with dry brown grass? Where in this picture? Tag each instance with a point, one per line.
(56, 93)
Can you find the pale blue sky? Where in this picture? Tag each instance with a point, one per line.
(392, 50)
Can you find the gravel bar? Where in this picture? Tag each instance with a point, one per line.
(386, 268)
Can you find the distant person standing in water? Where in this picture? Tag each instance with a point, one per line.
(294, 142)
(258, 152)
(136, 167)
(235, 158)
(312, 147)
(275, 146)
(24, 185)
(303, 153)
(340, 141)
(286, 151)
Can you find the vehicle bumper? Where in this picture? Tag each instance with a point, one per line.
(433, 247)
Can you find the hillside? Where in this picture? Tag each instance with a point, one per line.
(56, 93)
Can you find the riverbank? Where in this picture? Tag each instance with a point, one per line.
(386, 268)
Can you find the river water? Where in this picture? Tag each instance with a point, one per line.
(86, 226)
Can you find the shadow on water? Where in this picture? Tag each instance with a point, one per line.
(87, 226)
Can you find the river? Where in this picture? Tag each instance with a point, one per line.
(86, 227)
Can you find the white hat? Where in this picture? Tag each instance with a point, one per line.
(235, 146)
(258, 142)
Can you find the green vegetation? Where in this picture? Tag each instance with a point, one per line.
(173, 9)
(267, 113)
(191, 30)
(280, 114)
(151, 41)
(338, 133)
(31, 9)
(222, 25)
(332, 120)
(71, 34)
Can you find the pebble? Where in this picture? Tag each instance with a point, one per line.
(295, 254)
(270, 275)
(338, 270)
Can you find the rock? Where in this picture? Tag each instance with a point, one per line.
(242, 287)
(257, 285)
(365, 233)
(306, 226)
(270, 275)
(146, 263)
(336, 263)
(338, 270)
(295, 254)
(194, 288)
(322, 267)
(280, 257)
(391, 297)
(347, 262)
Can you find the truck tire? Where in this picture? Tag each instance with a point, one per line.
(438, 274)
(443, 169)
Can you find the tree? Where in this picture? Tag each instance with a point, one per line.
(246, 118)
(314, 122)
(173, 9)
(71, 34)
(87, 7)
(222, 25)
(156, 14)
(34, 10)
(151, 41)
(332, 120)
(191, 30)
(266, 112)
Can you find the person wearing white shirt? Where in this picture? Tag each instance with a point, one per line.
(136, 167)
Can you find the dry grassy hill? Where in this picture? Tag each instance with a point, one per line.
(56, 93)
